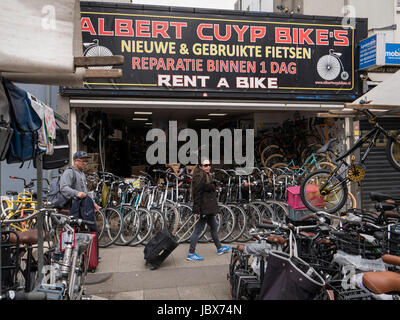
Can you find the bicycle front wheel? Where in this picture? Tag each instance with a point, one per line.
(143, 222)
(393, 152)
(171, 216)
(113, 226)
(322, 191)
(226, 222)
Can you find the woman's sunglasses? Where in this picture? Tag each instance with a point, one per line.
(206, 165)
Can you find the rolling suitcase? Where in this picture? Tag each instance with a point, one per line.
(94, 253)
(161, 246)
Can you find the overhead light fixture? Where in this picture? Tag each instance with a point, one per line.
(202, 119)
(140, 119)
(217, 114)
(148, 123)
(143, 112)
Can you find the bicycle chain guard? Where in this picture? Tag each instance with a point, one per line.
(356, 172)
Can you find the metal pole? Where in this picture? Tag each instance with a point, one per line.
(1, 270)
(39, 166)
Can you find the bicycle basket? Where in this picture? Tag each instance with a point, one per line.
(337, 292)
(355, 244)
(391, 240)
(9, 261)
(289, 278)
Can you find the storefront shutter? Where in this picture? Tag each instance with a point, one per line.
(381, 176)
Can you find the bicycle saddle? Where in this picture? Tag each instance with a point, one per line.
(391, 259)
(325, 147)
(376, 196)
(29, 236)
(387, 206)
(11, 193)
(382, 281)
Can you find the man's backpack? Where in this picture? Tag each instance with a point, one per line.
(55, 197)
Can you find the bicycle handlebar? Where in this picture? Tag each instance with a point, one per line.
(27, 217)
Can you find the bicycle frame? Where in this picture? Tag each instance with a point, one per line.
(373, 136)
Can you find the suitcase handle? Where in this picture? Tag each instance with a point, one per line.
(188, 229)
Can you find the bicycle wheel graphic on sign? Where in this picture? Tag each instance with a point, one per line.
(94, 49)
(330, 66)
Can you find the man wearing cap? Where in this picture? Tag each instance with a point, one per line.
(73, 180)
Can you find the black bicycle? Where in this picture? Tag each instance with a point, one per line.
(327, 190)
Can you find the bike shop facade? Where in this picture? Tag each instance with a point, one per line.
(208, 69)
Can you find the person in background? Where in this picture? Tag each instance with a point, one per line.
(205, 208)
(73, 180)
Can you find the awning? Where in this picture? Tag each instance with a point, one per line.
(41, 42)
(385, 95)
(233, 105)
(38, 36)
(383, 99)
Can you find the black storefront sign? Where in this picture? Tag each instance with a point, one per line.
(221, 53)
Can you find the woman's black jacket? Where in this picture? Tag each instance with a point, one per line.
(204, 195)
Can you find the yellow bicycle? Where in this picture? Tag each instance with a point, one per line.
(23, 206)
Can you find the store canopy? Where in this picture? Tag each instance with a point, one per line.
(38, 36)
(385, 95)
(41, 42)
(384, 99)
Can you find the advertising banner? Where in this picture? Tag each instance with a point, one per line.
(392, 54)
(180, 51)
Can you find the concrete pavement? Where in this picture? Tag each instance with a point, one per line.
(123, 275)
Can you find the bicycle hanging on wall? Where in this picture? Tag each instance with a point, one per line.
(327, 189)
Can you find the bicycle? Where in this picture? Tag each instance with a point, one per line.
(24, 204)
(327, 190)
(68, 259)
(108, 216)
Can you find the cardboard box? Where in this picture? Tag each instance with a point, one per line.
(135, 170)
(94, 158)
(92, 167)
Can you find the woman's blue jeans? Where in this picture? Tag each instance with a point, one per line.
(199, 227)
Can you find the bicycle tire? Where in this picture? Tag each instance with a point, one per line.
(253, 216)
(280, 210)
(144, 226)
(113, 226)
(272, 159)
(268, 151)
(393, 152)
(158, 224)
(313, 199)
(227, 222)
(265, 210)
(130, 229)
(264, 142)
(171, 216)
(240, 225)
(100, 223)
(326, 165)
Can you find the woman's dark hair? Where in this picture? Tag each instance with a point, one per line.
(198, 172)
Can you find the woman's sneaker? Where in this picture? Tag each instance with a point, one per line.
(194, 256)
(224, 249)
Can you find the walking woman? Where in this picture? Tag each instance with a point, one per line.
(205, 207)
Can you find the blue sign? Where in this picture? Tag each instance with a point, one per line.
(368, 50)
(392, 54)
